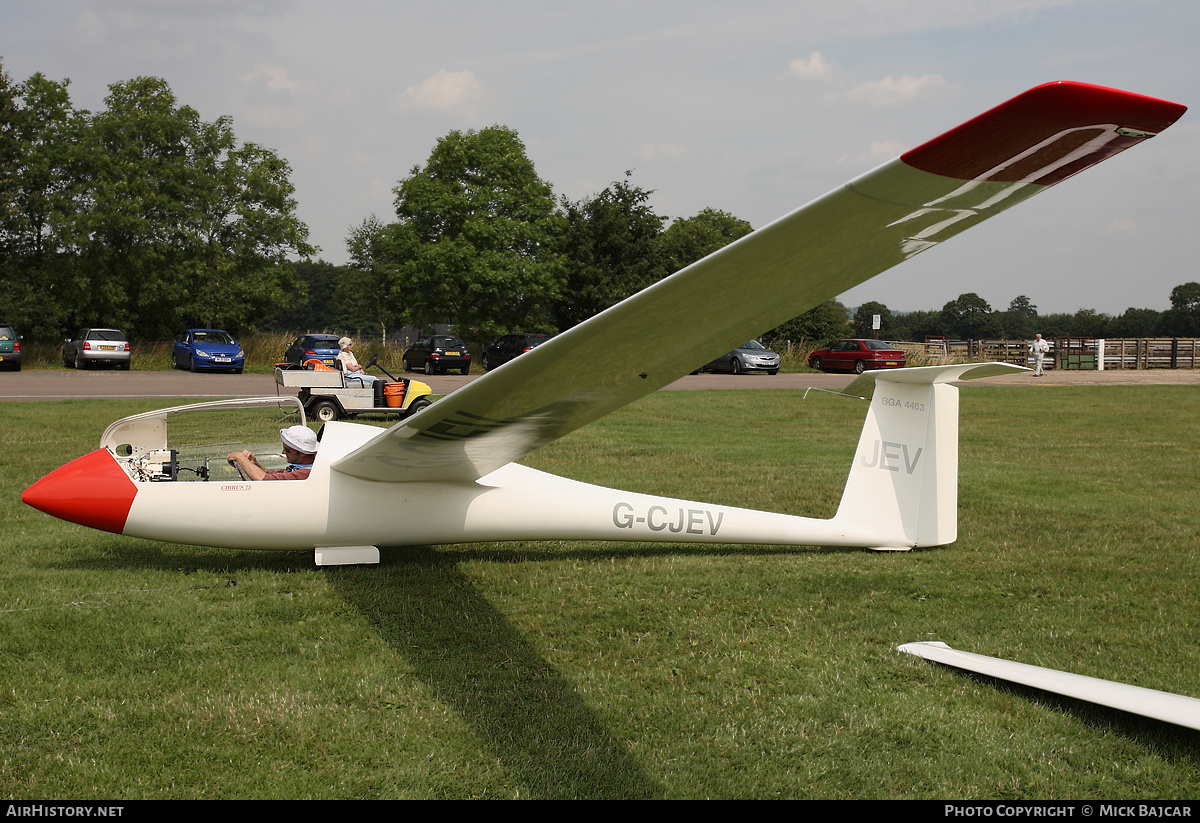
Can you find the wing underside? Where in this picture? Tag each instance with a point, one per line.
(865, 227)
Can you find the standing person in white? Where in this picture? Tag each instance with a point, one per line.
(1039, 347)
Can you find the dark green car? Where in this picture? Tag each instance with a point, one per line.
(10, 348)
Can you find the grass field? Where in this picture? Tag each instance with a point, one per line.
(134, 669)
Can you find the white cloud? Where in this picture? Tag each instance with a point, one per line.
(277, 78)
(664, 151)
(878, 152)
(444, 91)
(810, 68)
(890, 91)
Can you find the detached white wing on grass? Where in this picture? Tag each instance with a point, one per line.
(1165, 706)
(882, 218)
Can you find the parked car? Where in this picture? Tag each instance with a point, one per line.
(323, 347)
(96, 346)
(857, 356)
(197, 349)
(10, 348)
(510, 346)
(750, 356)
(438, 353)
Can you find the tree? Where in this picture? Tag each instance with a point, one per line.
(1135, 323)
(1089, 323)
(315, 307)
(970, 318)
(864, 320)
(41, 155)
(364, 286)
(1183, 318)
(821, 324)
(690, 239)
(1021, 320)
(477, 238)
(177, 224)
(612, 251)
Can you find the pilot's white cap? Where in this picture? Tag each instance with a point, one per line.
(300, 438)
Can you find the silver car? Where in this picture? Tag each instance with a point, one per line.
(752, 356)
(96, 346)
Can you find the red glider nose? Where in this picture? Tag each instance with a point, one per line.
(91, 490)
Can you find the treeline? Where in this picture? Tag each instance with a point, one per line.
(970, 317)
(142, 216)
(147, 218)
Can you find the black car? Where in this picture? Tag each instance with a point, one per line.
(322, 347)
(439, 353)
(10, 348)
(510, 346)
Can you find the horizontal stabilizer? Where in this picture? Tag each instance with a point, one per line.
(864, 385)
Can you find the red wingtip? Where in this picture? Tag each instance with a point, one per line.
(1045, 135)
(91, 490)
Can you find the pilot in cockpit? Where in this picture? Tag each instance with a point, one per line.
(299, 448)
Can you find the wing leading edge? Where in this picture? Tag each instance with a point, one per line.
(865, 227)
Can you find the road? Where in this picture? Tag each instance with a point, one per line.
(65, 384)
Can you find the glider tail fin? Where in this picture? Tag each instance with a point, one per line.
(903, 484)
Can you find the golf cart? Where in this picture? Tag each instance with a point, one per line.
(330, 394)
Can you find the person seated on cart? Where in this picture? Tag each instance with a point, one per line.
(299, 448)
(348, 363)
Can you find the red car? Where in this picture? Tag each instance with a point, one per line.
(857, 356)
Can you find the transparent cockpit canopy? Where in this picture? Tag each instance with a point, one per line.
(201, 436)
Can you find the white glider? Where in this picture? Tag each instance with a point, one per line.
(447, 474)
(1170, 708)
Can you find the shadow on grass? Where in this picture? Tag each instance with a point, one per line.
(479, 665)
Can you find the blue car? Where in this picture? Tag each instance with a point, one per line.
(207, 349)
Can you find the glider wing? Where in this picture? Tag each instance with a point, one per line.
(776, 273)
(1166, 706)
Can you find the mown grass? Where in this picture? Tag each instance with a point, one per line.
(135, 669)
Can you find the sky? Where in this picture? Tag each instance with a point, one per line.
(752, 107)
